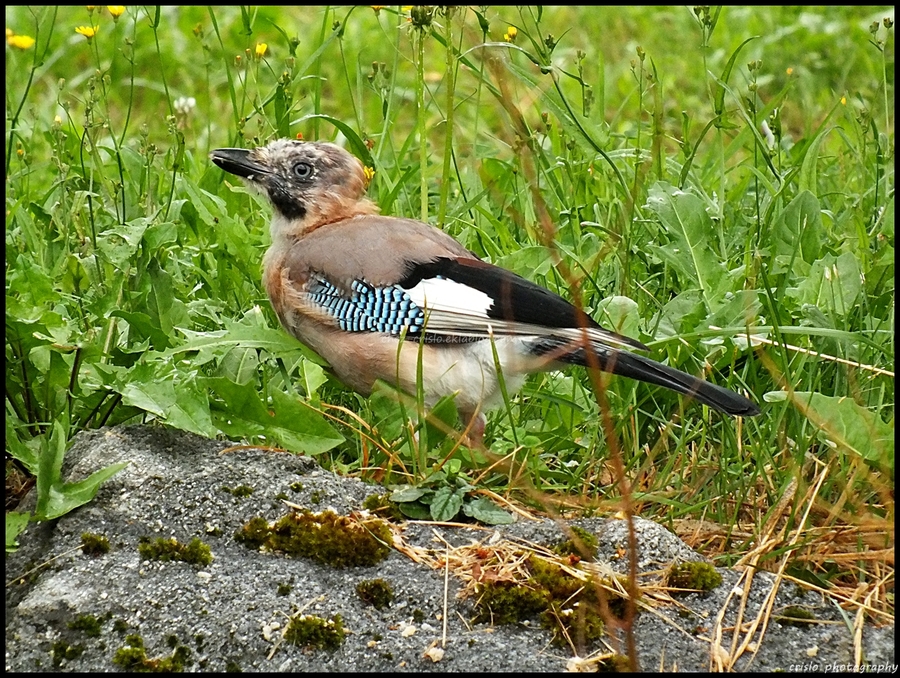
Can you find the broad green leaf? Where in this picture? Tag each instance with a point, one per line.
(300, 428)
(32, 286)
(833, 284)
(313, 376)
(415, 510)
(15, 524)
(486, 511)
(208, 206)
(440, 421)
(144, 327)
(153, 396)
(737, 310)
(527, 261)
(797, 233)
(807, 180)
(68, 496)
(159, 234)
(846, 424)
(53, 449)
(290, 423)
(390, 415)
(619, 314)
(684, 217)
(243, 414)
(405, 494)
(18, 449)
(56, 498)
(240, 364)
(446, 503)
(163, 307)
(190, 411)
(219, 342)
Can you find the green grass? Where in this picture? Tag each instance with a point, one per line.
(618, 156)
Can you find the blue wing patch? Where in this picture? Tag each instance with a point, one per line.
(368, 308)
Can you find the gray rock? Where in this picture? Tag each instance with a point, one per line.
(229, 614)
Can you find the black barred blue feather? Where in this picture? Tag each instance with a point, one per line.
(368, 308)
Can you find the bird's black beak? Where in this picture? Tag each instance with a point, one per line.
(237, 161)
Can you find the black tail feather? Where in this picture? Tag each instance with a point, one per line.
(644, 369)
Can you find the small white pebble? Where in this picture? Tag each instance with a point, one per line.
(435, 654)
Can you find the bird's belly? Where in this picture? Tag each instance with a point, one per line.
(467, 370)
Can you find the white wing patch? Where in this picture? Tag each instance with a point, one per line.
(441, 294)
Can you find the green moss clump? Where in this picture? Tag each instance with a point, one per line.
(563, 603)
(584, 545)
(133, 657)
(580, 620)
(254, 533)
(381, 505)
(232, 666)
(62, 651)
(296, 486)
(90, 624)
(506, 602)
(795, 615)
(284, 589)
(94, 544)
(195, 553)
(552, 578)
(331, 539)
(375, 592)
(314, 632)
(694, 575)
(239, 491)
(615, 663)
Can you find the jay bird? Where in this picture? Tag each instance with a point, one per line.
(376, 295)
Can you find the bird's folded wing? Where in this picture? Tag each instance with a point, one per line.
(455, 299)
(471, 297)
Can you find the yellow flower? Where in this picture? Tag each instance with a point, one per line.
(790, 71)
(116, 10)
(19, 41)
(369, 173)
(9, 32)
(261, 48)
(511, 33)
(843, 101)
(90, 8)
(87, 31)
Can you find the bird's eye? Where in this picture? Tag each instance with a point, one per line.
(303, 170)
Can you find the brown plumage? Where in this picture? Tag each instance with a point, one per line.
(377, 296)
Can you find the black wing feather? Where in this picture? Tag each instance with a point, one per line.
(514, 298)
